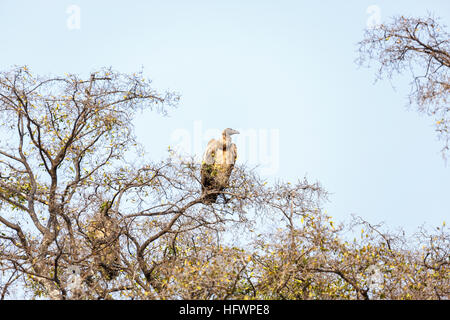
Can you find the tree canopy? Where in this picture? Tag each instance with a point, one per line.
(84, 216)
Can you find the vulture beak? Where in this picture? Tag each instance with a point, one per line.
(232, 131)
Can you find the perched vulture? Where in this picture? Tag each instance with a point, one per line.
(217, 164)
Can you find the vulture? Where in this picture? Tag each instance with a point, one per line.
(217, 164)
(104, 232)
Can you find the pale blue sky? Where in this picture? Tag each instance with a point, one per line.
(283, 65)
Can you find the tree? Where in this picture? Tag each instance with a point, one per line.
(80, 220)
(422, 47)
